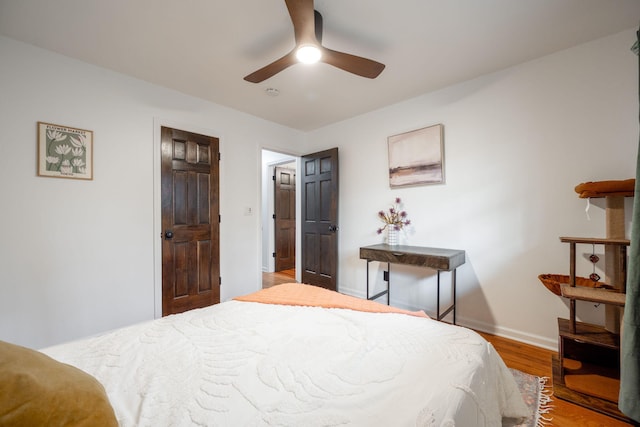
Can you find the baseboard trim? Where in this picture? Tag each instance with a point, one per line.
(513, 334)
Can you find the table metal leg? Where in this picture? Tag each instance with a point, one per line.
(438, 299)
(452, 307)
(388, 282)
(453, 283)
(379, 294)
(368, 261)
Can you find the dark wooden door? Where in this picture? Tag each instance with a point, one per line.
(319, 222)
(190, 221)
(285, 218)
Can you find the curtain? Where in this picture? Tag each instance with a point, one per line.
(629, 399)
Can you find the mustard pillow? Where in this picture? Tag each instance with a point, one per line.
(36, 390)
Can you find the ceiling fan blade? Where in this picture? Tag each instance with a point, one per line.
(302, 17)
(272, 69)
(354, 64)
(318, 23)
(307, 26)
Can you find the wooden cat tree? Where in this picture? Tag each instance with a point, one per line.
(587, 368)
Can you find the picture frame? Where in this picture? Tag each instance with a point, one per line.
(417, 157)
(64, 152)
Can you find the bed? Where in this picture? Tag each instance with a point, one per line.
(280, 357)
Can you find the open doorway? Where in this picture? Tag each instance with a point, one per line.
(316, 207)
(279, 195)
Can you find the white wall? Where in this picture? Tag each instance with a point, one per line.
(81, 257)
(517, 142)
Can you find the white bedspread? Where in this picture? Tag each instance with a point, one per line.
(251, 364)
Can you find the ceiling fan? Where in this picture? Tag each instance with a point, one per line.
(307, 27)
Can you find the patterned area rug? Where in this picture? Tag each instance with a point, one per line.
(537, 396)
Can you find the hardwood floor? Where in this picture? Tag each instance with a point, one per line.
(537, 361)
(524, 357)
(278, 278)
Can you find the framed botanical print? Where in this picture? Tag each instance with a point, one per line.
(64, 152)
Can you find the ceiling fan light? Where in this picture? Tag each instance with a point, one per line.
(308, 54)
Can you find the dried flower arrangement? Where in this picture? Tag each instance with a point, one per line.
(394, 218)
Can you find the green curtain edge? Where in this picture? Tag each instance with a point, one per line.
(629, 397)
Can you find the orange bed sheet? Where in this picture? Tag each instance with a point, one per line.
(314, 296)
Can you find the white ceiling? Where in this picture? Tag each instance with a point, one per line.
(205, 47)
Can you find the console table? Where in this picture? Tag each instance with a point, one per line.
(439, 259)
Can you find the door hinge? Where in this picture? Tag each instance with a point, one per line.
(274, 255)
(219, 156)
(274, 216)
(385, 276)
(273, 177)
(220, 281)
(219, 218)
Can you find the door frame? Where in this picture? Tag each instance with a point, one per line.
(158, 123)
(266, 209)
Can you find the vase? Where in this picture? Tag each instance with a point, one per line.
(392, 236)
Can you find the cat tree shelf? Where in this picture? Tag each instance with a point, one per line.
(587, 368)
(596, 295)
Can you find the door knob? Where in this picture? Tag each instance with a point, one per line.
(333, 228)
(168, 234)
